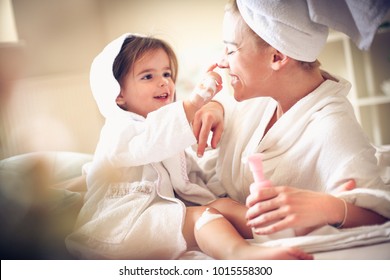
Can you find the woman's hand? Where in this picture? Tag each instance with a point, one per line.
(280, 207)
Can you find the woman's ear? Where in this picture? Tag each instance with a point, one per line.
(279, 60)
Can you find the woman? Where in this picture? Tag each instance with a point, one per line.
(298, 117)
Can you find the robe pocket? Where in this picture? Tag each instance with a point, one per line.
(120, 209)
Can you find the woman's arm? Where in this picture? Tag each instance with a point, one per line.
(349, 215)
(274, 209)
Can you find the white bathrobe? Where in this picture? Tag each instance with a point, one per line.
(131, 208)
(316, 145)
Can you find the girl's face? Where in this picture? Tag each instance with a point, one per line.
(247, 62)
(149, 85)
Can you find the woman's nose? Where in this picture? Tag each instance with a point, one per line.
(222, 63)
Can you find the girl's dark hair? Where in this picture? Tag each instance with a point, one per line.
(133, 48)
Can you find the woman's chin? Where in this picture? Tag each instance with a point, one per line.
(238, 96)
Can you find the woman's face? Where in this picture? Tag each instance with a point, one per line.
(149, 85)
(247, 62)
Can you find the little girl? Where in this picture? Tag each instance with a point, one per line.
(141, 179)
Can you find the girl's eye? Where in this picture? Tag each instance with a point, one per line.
(147, 77)
(167, 74)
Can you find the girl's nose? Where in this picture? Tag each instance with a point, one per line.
(163, 82)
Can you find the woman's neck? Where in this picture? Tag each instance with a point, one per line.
(296, 86)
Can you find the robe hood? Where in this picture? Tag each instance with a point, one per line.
(105, 88)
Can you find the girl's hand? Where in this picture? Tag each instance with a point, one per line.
(201, 95)
(207, 88)
(208, 119)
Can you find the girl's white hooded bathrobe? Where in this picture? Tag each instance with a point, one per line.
(132, 209)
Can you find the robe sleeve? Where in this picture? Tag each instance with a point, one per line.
(164, 133)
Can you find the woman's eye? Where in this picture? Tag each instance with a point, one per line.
(229, 52)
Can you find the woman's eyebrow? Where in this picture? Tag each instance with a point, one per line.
(230, 43)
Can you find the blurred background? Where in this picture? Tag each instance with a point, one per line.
(47, 103)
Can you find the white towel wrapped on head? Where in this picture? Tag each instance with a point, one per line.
(299, 28)
(286, 26)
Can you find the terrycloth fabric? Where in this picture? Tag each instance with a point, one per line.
(131, 210)
(286, 26)
(104, 87)
(358, 19)
(317, 145)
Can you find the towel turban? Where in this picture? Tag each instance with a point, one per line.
(286, 26)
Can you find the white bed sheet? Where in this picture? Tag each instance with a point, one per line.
(363, 243)
(379, 251)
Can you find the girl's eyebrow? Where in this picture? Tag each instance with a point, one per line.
(145, 71)
(151, 70)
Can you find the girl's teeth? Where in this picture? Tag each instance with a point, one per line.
(162, 96)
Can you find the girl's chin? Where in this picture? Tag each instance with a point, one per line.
(163, 102)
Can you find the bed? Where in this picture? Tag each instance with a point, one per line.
(41, 194)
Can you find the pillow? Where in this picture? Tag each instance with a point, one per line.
(35, 212)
